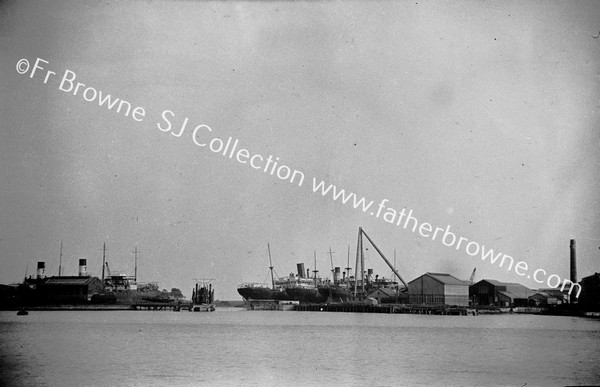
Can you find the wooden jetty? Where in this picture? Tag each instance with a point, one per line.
(162, 306)
(387, 308)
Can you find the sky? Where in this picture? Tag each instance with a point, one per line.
(483, 116)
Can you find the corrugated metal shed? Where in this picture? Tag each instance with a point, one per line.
(561, 295)
(492, 282)
(385, 292)
(446, 278)
(521, 298)
(493, 292)
(518, 290)
(438, 288)
(544, 298)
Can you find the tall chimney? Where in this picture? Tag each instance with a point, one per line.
(83, 268)
(41, 266)
(573, 262)
(300, 267)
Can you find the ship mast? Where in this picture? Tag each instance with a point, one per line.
(271, 266)
(315, 271)
(60, 259)
(135, 252)
(103, 260)
(348, 268)
(332, 269)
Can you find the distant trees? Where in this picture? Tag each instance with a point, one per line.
(176, 293)
(147, 287)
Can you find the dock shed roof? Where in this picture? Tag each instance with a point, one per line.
(444, 278)
(510, 286)
(383, 291)
(560, 294)
(542, 295)
(517, 295)
(519, 290)
(493, 282)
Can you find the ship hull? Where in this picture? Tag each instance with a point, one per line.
(257, 293)
(305, 295)
(335, 294)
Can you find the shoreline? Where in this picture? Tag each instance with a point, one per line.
(318, 307)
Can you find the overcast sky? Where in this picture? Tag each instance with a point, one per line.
(479, 115)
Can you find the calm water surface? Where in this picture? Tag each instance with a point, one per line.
(263, 348)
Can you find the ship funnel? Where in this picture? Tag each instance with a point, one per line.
(83, 268)
(41, 269)
(369, 275)
(336, 275)
(300, 267)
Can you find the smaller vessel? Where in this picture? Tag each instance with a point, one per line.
(203, 296)
(22, 312)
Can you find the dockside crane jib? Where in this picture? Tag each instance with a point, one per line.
(360, 254)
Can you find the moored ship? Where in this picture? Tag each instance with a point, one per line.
(259, 291)
(294, 287)
(302, 288)
(335, 293)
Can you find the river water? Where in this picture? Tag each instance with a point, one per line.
(262, 348)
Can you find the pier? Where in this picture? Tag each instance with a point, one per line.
(161, 306)
(389, 309)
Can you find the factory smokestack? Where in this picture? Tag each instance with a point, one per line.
(573, 262)
(83, 268)
(41, 269)
(573, 270)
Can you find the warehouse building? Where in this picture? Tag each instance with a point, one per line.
(388, 296)
(70, 289)
(496, 293)
(546, 298)
(438, 289)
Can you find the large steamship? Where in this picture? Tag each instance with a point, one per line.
(303, 288)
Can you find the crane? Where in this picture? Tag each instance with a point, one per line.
(360, 254)
(472, 276)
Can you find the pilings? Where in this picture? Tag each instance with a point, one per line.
(161, 306)
(389, 309)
